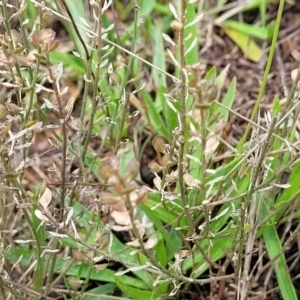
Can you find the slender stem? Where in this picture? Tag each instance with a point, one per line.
(184, 83)
(95, 97)
(123, 94)
(266, 74)
(55, 86)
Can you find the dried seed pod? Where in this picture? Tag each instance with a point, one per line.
(74, 282)
(165, 159)
(155, 167)
(102, 240)
(212, 93)
(46, 38)
(294, 74)
(296, 54)
(159, 144)
(132, 170)
(142, 195)
(3, 112)
(176, 25)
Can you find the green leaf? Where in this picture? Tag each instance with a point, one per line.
(289, 192)
(263, 33)
(154, 116)
(192, 34)
(168, 242)
(100, 292)
(68, 60)
(250, 49)
(146, 7)
(274, 247)
(136, 293)
(228, 100)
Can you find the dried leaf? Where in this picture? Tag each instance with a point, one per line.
(31, 57)
(294, 74)
(170, 178)
(69, 106)
(176, 63)
(6, 189)
(190, 180)
(296, 54)
(78, 255)
(212, 144)
(54, 46)
(5, 130)
(132, 170)
(14, 108)
(150, 243)
(121, 217)
(173, 11)
(142, 195)
(135, 243)
(102, 240)
(57, 71)
(46, 198)
(157, 183)
(40, 215)
(168, 39)
(69, 216)
(100, 267)
(21, 60)
(3, 112)
(23, 241)
(24, 205)
(184, 253)
(46, 38)
(106, 171)
(109, 198)
(74, 282)
(55, 234)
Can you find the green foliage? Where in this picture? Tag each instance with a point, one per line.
(92, 225)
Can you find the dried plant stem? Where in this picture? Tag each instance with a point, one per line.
(52, 259)
(184, 94)
(123, 94)
(95, 97)
(64, 139)
(10, 41)
(23, 196)
(203, 114)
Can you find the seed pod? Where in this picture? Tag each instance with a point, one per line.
(176, 25)
(212, 93)
(296, 54)
(159, 144)
(155, 167)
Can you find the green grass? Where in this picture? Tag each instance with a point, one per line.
(92, 228)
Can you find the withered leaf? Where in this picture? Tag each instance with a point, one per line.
(159, 144)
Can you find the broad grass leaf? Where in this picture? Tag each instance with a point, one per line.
(250, 49)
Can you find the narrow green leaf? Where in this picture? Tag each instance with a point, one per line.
(100, 292)
(250, 49)
(154, 116)
(263, 33)
(135, 293)
(274, 247)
